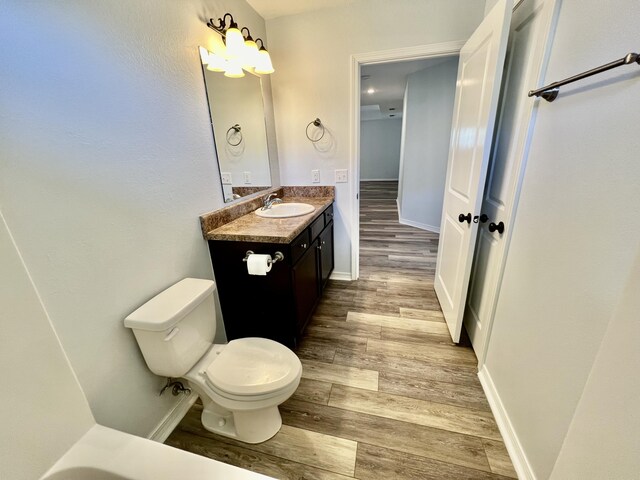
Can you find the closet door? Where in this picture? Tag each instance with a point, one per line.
(478, 86)
(529, 35)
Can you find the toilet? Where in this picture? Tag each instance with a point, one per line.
(241, 383)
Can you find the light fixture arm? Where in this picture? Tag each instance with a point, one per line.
(248, 35)
(262, 47)
(221, 28)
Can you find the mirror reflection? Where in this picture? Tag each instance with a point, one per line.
(238, 120)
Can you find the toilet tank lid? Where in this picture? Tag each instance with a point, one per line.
(171, 305)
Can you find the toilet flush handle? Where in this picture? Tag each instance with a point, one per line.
(171, 334)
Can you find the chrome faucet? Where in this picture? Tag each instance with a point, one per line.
(269, 201)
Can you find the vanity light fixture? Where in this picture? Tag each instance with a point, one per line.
(240, 52)
(264, 65)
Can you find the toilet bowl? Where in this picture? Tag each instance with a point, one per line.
(240, 383)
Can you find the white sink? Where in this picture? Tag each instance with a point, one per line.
(285, 210)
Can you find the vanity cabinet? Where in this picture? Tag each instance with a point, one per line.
(278, 305)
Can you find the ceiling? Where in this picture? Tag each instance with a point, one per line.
(388, 81)
(269, 9)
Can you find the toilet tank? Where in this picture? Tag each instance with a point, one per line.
(176, 327)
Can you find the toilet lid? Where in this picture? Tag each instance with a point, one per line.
(253, 366)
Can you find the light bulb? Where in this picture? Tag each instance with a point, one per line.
(216, 63)
(234, 42)
(233, 70)
(264, 65)
(251, 55)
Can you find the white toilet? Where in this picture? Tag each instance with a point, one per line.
(241, 383)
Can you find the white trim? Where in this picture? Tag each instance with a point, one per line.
(340, 276)
(422, 226)
(172, 419)
(511, 441)
(384, 56)
(379, 179)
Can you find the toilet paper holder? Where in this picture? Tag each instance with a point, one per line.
(278, 257)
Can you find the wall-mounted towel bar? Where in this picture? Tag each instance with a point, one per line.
(550, 92)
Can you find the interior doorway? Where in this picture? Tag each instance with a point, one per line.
(406, 109)
(364, 67)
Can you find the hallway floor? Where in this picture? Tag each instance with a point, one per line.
(385, 394)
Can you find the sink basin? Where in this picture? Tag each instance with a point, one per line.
(286, 210)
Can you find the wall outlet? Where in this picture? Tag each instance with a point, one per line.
(247, 177)
(226, 178)
(315, 176)
(342, 176)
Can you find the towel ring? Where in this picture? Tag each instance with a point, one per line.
(237, 129)
(315, 123)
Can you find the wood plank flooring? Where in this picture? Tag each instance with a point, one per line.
(385, 394)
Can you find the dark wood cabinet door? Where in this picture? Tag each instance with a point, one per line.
(326, 254)
(306, 286)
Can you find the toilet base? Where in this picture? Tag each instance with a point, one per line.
(249, 426)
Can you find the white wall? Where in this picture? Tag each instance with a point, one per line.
(574, 238)
(311, 54)
(107, 161)
(603, 439)
(428, 114)
(43, 409)
(380, 149)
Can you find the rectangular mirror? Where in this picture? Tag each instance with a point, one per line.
(238, 120)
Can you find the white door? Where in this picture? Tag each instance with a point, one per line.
(478, 86)
(528, 37)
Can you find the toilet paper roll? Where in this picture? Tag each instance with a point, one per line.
(258, 264)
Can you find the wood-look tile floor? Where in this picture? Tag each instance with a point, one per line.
(384, 393)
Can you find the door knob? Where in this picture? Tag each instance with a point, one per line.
(464, 218)
(499, 227)
(483, 218)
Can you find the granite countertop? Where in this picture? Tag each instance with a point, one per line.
(251, 228)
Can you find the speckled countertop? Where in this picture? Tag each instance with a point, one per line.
(235, 224)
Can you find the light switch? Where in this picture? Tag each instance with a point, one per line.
(315, 176)
(247, 177)
(342, 176)
(226, 178)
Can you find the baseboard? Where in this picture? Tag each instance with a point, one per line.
(340, 276)
(516, 452)
(422, 226)
(378, 179)
(172, 419)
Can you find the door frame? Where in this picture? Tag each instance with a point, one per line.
(357, 60)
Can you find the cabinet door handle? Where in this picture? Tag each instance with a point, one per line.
(319, 247)
(323, 242)
(303, 245)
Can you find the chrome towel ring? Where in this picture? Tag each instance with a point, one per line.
(315, 123)
(237, 129)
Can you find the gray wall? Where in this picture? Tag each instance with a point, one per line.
(107, 161)
(428, 113)
(603, 439)
(43, 409)
(571, 254)
(380, 149)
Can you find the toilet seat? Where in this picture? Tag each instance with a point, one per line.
(253, 367)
